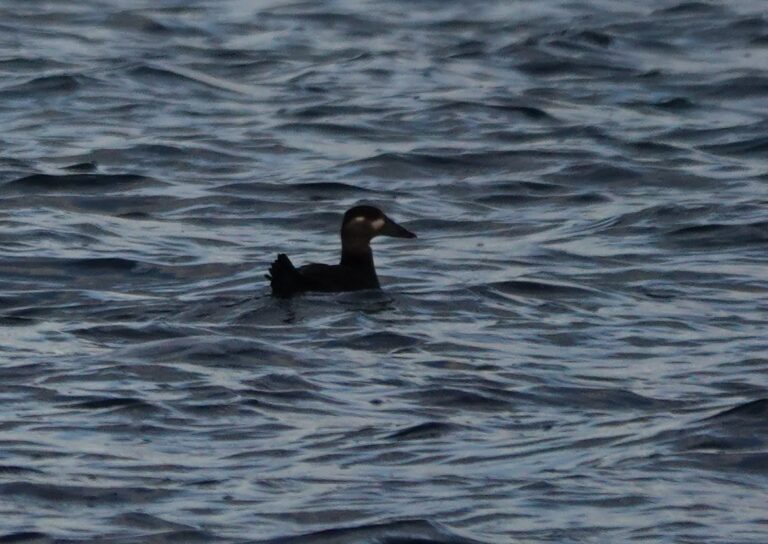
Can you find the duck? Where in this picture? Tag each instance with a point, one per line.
(355, 270)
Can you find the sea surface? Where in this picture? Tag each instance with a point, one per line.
(574, 350)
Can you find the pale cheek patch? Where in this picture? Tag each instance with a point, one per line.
(378, 224)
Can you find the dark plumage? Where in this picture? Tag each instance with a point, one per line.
(355, 271)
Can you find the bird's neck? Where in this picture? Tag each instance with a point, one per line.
(358, 255)
(357, 259)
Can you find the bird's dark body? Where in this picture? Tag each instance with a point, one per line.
(356, 270)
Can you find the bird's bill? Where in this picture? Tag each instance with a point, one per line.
(391, 228)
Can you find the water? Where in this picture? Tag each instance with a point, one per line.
(573, 350)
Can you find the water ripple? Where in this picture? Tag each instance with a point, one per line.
(572, 350)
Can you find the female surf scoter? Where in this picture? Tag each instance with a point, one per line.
(355, 271)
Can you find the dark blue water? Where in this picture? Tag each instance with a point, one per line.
(573, 350)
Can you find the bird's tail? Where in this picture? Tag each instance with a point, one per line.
(284, 278)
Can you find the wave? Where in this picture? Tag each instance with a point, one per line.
(407, 531)
(80, 183)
